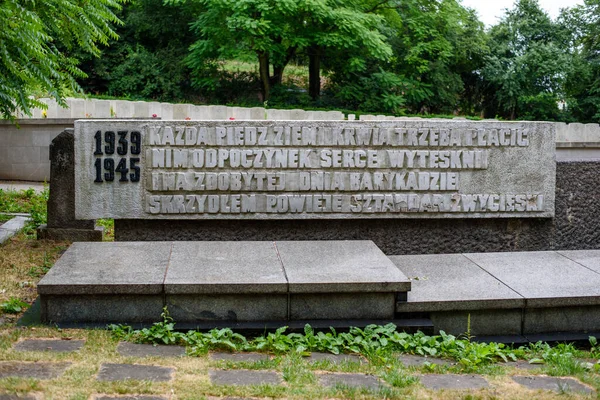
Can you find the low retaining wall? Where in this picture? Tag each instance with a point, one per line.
(573, 228)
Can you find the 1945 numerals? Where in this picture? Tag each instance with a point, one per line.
(124, 143)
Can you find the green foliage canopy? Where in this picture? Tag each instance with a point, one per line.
(277, 30)
(36, 40)
(527, 65)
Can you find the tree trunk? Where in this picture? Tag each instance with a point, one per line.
(263, 67)
(277, 77)
(314, 73)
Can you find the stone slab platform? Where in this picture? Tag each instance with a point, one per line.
(518, 293)
(131, 282)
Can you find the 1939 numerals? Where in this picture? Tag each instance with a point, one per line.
(124, 143)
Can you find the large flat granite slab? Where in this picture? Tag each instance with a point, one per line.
(452, 282)
(588, 258)
(519, 293)
(109, 268)
(225, 267)
(339, 266)
(221, 281)
(544, 279)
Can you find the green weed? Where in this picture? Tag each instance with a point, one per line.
(13, 306)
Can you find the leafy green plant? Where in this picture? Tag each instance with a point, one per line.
(594, 347)
(378, 343)
(13, 306)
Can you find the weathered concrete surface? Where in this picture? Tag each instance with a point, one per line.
(148, 350)
(122, 372)
(351, 381)
(36, 370)
(12, 227)
(239, 357)
(55, 346)
(243, 377)
(453, 382)
(558, 385)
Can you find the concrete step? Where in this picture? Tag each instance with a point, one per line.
(200, 282)
(518, 293)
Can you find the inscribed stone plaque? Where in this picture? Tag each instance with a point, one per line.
(313, 169)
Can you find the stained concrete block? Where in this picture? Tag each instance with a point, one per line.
(37, 370)
(218, 112)
(102, 109)
(154, 108)
(24, 155)
(103, 309)
(166, 111)
(90, 108)
(483, 322)
(243, 378)
(449, 282)
(77, 107)
(358, 381)
(558, 385)
(592, 133)
(141, 110)
(121, 372)
(63, 112)
(123, 109)
(257, 113)
(298, 114)
(127, 349)
(199, 113)
(52, 110)
(241, 113)
(307, 306)
(545, 279)
(181, 111)
(50, 345)
(225, 268)
(453, 381)
(561, 319)
(228, 307)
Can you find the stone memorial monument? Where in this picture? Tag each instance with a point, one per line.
(298, 170)
(254, 185)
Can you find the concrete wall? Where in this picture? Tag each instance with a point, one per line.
(574, 227)
(24, 151)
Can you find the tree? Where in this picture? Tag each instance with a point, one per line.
(527, 65)
(147, 61)
(581, 26)
(36, 40)
(437, 46)
(277, 30)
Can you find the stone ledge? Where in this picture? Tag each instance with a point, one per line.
(74, 235)
(220, 281)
